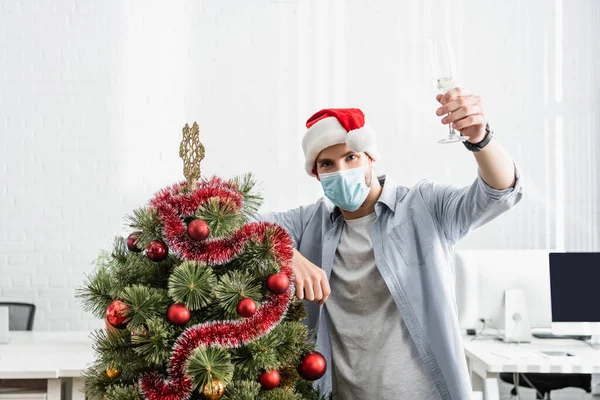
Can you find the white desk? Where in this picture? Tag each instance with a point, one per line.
(47, 355)
(486, 358)
(61, 355)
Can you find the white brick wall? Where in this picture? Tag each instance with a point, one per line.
(93, 96)
(59, 118)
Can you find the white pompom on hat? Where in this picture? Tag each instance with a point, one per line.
(333, 126)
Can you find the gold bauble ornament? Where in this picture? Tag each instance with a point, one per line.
(112, 372)
(214, 390)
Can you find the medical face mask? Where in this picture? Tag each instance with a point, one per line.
(346, 189)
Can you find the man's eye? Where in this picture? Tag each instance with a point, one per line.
(325, 164)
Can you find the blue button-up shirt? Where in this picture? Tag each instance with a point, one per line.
(413, 238)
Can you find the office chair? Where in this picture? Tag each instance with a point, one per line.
(547, 382)
(20, 316)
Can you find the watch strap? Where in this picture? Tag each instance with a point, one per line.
(476, 147)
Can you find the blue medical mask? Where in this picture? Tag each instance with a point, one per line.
(346, 189)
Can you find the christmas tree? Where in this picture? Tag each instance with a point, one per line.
(198, 300)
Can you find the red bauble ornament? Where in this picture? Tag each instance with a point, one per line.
(157, 251)
(278, 283)
(115, 314)
(198, 229)
(312, 366)
(269, 380)
(131, 242)
(247, 307)
(178, 314)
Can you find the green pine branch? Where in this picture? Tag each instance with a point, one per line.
(123, 392)
(242, 390)
(309, 392)
(113, 349)
(191, 284)
(146, 221)
(280, 394)
(296, 311)
(206, 364)
(98, 386)
(213, 312)
(145, 303)
(292, 339)
(258, 256)
(252, 199)
(256, 356)
(162, 271)
(154, 342)
(99, 290)
(221, 216)
(137, 268)
(120, 250)
(96, 383)
(232, 288)
(117, 270)
(283, 345)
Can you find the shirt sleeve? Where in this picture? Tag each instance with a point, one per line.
(459, 210)
(294, 221)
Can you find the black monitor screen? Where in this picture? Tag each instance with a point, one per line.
(575, 287)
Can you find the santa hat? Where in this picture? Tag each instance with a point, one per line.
(333, 126)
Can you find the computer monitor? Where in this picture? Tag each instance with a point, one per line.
(575, 294)
(483, 276)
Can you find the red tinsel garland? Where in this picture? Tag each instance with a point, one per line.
(171, 207)
(185, 204)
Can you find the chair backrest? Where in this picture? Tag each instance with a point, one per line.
(20, 316)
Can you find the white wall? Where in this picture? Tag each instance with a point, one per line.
(93, 96)
(60, 120)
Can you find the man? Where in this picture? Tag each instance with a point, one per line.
(373, 258)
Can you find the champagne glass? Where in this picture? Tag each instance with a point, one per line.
(442, 65)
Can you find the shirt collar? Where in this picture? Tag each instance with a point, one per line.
(387, 196)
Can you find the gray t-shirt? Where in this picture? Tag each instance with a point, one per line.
(373, 354)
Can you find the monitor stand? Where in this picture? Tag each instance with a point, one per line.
(516, 320)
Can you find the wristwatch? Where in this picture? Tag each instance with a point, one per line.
(475, 147)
